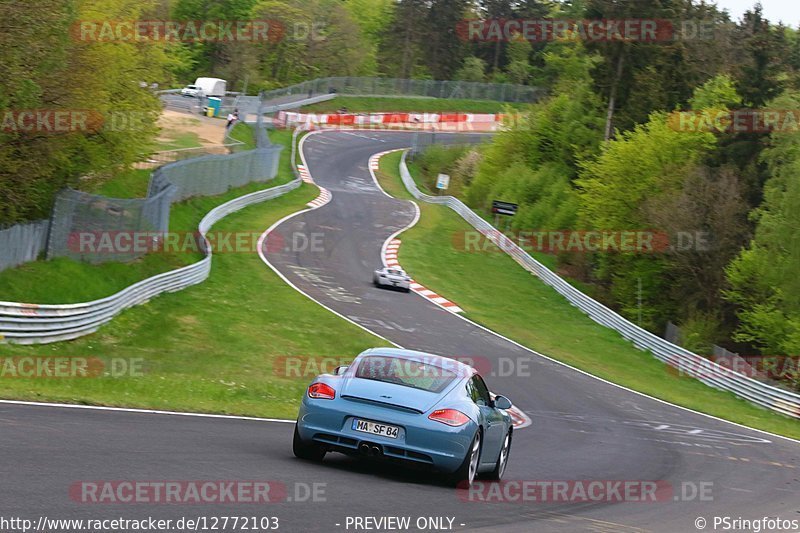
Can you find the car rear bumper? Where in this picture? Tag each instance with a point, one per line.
(420, 441)
(401, 284)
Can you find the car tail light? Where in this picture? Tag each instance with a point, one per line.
(451, 417)
(321, 391)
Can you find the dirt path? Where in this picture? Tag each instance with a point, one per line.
(210, 131)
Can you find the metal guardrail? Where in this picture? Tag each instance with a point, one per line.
(372, 86)
(23, 323)
(708, 372)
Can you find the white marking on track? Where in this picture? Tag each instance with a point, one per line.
(143, 411)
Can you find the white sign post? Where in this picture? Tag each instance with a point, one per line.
(442, 181)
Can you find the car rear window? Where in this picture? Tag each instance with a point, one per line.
(395, 272)
(405, 372)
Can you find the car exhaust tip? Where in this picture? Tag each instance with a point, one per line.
(364, 448)
(376, 450)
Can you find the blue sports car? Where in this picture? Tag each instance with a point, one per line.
(407, 406)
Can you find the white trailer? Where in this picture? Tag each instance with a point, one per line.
(211, 86)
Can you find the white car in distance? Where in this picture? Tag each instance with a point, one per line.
(392, 277)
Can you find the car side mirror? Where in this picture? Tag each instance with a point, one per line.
(339, 370)
(501, 402)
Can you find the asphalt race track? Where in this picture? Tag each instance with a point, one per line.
(583, 428)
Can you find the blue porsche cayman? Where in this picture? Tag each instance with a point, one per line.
(407, 406)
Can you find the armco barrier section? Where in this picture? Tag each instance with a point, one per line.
(32, 324)
(693, 365)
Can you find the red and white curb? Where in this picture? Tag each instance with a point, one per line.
(390, 260)
(518, 418)
(375, 160)
(325, 195)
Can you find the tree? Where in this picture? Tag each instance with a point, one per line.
(519, 68)
(533, 162)
(763, 278)
(444, 48)
(214, 56)
(47, 67)
(763, 48)
(473, 69)
(717, 93)
(401, 52)
(327, 42)
(644, 167)
(372, 17)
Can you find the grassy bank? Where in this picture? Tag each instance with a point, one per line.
(244, 133)
(512, 302)
(370, 104)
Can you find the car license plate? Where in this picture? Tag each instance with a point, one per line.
(384, 430)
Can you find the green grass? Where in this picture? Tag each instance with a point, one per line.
(178, 141)
(216, 347)
(512, 302)
(284, 138)
(244, 133)
(70, 281)
(131, 183)
(362, 104)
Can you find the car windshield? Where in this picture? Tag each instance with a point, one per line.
(395, 272)
(405, 372)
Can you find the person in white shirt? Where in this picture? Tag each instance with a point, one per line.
(233, 118)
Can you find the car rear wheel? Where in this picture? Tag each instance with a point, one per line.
(465, 475)
(502, 460)
(310, 451)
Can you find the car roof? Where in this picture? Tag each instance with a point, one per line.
(462, 369)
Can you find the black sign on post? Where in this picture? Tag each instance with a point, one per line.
(504, 208)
